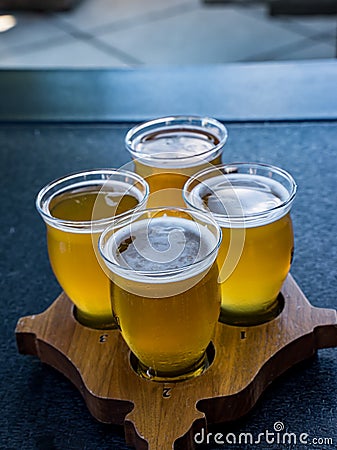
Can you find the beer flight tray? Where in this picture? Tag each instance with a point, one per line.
(162, 416)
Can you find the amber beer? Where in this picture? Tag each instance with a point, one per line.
(251, 203)
(164, 289)
(169, 150)
(76, 209)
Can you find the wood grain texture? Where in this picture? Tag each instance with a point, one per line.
(162, 416)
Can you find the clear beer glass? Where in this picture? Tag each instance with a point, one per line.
(164, 290)
(76, 209)
(168, 150)
(251, 202)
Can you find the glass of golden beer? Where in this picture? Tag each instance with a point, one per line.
(251, 202)
(76, 209)
(164, 290)
(169, 150)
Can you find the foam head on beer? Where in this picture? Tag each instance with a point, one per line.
(168, 150)
(164, 289)
(160, 249)
(176, 142)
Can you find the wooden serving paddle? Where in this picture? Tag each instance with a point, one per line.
(162, 416)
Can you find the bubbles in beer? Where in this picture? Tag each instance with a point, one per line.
(241, 196)
(84, 202)
(168, 147)
(161, 244)
(184, 141)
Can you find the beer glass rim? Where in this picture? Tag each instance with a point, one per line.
(191, 122)
(285, 204)
(132, 216)
(49, 190)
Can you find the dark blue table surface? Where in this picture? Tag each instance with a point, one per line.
(40, 409)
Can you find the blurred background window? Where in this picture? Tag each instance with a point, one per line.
(120, 33)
